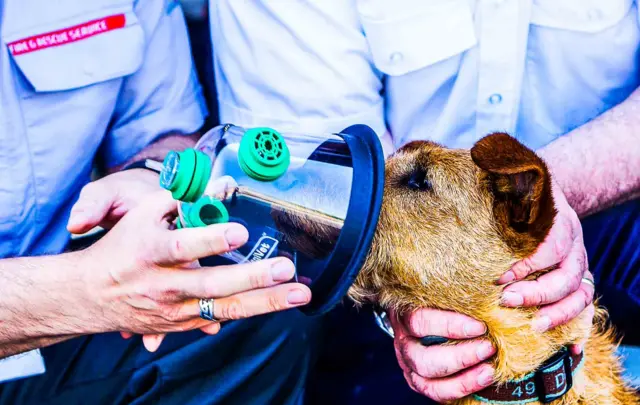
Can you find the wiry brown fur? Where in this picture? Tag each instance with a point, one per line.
(446, 247)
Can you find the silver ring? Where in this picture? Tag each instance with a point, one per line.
(206, 309)
(588, 281)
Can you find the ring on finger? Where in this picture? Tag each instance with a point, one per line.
(588, 281)
(206, 309)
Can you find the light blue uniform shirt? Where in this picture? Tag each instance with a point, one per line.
(81, 80)
(449, 71)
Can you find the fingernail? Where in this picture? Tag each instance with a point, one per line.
(506, 278)
(484, 351)
(486, 377)
(473, 329)
(236, 235)
(152, 342)
(512, 299)
(297, 297)
(282, 270)
(576, 349)
(541, 324)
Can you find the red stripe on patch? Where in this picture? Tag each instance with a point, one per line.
(67, 35)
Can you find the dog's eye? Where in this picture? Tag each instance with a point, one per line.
(418, 181)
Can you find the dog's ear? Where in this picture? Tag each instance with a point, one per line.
(521, 185)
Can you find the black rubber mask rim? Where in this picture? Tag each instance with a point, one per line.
(360, 224)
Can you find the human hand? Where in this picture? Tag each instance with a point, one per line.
(103, 202)
(430, 370)
(562, 294)
(142, 280)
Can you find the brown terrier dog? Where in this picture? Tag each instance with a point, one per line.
(452, 222)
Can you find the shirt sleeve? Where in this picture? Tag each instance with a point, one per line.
(294, 65)
(164, 95)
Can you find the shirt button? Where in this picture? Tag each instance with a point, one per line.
(495, 99)
(396, 57)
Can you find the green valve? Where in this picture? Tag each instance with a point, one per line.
(263, 154)
(186, 174)
(205, 211)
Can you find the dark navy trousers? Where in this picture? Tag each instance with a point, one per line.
(264, 360)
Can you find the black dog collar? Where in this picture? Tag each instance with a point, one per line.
(551, 381)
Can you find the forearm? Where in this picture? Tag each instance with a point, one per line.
(161, 147)
(41, 302)
(10, 349)
(598, 164)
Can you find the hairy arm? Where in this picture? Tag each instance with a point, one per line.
(598, 164)
(41, 302)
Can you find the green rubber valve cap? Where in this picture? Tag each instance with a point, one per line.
(185, 174)
(206, 211)
(263, 154)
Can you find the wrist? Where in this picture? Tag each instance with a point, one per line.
(87, 307)
(144, 164)
(42, 297)
(73, 309)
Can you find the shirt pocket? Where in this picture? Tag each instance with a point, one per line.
(74, 47)
(589, 16)
(408, 35)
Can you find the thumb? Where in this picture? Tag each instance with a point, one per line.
(93, 206)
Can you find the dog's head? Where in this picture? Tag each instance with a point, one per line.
(452, 222)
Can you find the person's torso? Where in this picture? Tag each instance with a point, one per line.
(61, 69)
(456, 70)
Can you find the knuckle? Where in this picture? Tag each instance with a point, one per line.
(525, 267)
(403, 349)
(574, 221)
(89, 189)
(467, 359)
(408, 379)
(584, 261)
(273, 303)
(586, 297)
(425, 367)
(159, 292)
(540, 296)
(440, 370)
(562, 316)
(212, 288)
(419, 385)
(177, 249)
(259, 279)
(170, 313)
(467, 387)
(419, 322)
(433, 390)
(574, 281)
(451, 328)
(216, 243)
(559, 247)
(233, 309)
